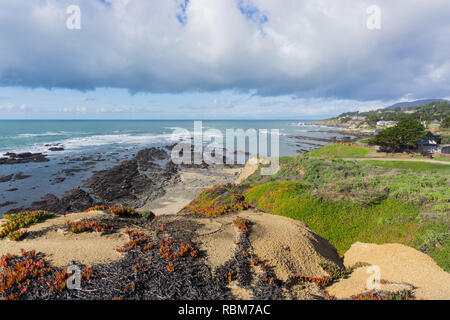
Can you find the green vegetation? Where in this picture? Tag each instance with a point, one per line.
(342, 223)
(445, 139)
(88, 226)
(366, 201)
(404, 136)
(362, 182)
(15, 222)
(340, 151)
(418, 166)
(446, 122)
(147, 213)
(218, 200)
(429, 112)
(418, 156)
(123, 211)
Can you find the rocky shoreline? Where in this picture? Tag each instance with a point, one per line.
(133, 182)
(25, 157)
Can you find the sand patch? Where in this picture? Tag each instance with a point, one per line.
(250, 168)
(217, 237)
(357, 283)
(192, 184)
(63, 248)
(240, 293)
(401, 266)
(289, 246)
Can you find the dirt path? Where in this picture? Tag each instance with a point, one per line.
(398, 159)
(193, 182)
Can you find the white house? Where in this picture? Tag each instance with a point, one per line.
(386, 124)
(430, 144)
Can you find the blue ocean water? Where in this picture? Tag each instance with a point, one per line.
(113, 141)
(79, 136)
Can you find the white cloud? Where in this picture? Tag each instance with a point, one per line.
(310, 48)
(10, 107)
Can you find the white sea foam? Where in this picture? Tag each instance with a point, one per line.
(45, 134)
(80, 143)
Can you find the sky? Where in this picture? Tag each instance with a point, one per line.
(219, 59)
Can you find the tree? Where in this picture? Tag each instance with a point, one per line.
(446, 122)
(404, 136)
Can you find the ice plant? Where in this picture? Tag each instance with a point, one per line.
(88, 226)
(123, 211)
(21, 220)
(17, 235)
(241, 223)
(170, 268)
(96, 208)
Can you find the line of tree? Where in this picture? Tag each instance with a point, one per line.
(428, 113)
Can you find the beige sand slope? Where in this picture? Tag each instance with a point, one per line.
(401, 266)
(192, 183)
(63, 248)
(287, 245)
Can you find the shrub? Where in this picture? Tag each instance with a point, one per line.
(88, 226)
(218, 200)
(147, 214)
(96, 208)
(17, 235)
(446, 122)
(22, 276)
(242, 224)
(123, 211)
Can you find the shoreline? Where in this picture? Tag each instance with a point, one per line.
(43, 180)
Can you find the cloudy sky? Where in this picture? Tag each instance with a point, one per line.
(219, 59)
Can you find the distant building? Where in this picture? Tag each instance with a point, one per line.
(360, 118)
(435, 123)
(386, 124)
(409, 111)
(430, 144)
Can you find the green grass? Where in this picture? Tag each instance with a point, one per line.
(366, 140)
(369, 201)
(343, 223)
(423, 167)
(339, 151)
(365, 183)
(218, 200)
(418, 156)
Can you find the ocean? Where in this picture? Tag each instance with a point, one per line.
(107, 143)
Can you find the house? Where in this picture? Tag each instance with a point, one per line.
(359, 118)
(435, 123)
(386, 124)
(430, 144)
